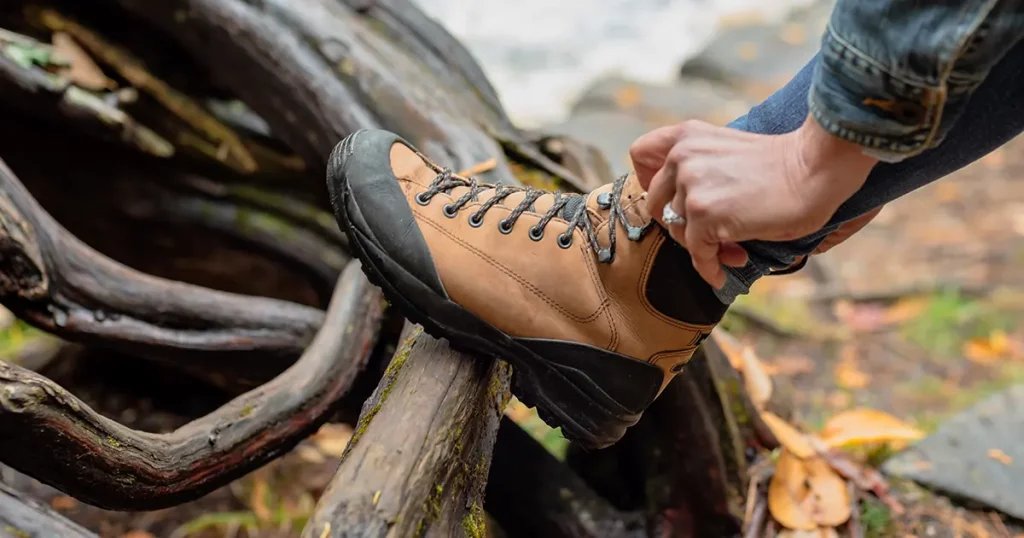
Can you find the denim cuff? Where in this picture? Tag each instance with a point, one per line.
(857, 99)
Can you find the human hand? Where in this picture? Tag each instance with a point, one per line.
(734, 186)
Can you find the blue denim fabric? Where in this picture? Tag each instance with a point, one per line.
(895, 75)
(993, 115)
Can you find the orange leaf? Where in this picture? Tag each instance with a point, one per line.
(480, 168)
(862, 426)
(756, 380)
(988, 350)
(806, 494)
(790, 365)
(82, 70)
(730, 346)
(629, 96)
(331, 439)
(63, 502)
(847, 373)
(788, 436)
(795, 533)
(258, 498)
(137, 534)
(1000, 456)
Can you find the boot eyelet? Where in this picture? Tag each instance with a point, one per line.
(565, 241)
(476, 220)
(505, 227)
(449, 211)
(421, 199)
(536, 233)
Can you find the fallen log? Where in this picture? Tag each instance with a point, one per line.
(21, 517)
(96, 460)
(419, 458)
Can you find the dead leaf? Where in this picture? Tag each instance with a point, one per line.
(862, 476)
(747, 51)
(788, 436)
(517, 411)
(806, 494)
(793, 34)
(63, 503)
(790, 365)
(258, 497)
(862, 426)
(137, 534)
(847, 373)
(730, 346)
(82, 70)
(988, 350)
(480, 168)
(628, 96)
(906, 309)
(995, 160)
(1000, 456)
(332, 439)
(838, 399)
(829, 532)
(756, 380)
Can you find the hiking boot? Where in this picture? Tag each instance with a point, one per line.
(592, 303)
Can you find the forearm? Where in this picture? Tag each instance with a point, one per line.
(895, 75)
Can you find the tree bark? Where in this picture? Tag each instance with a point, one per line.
(102, 463)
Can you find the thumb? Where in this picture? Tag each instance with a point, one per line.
(649, 151)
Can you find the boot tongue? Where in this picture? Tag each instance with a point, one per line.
(576, 203)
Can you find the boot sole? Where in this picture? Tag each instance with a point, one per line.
(560, 401)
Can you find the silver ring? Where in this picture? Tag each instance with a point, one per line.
(669, 216)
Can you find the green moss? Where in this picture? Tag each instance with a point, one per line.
(246, 412)
(875, 518)
(17, 532)
(390, 376)
(113, 442)
(474, 524)
(533, 177)
(431, 509)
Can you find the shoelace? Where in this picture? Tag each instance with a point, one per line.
(570, 207)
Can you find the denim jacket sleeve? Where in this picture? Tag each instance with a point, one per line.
(894, 75)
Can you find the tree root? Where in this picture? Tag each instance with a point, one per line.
(102, 463)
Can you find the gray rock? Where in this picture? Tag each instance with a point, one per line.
(960, 459)
(656, 105)
(610, 131)
(758, 58)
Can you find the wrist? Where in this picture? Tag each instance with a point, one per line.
(827, 157)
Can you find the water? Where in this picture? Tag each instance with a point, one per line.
(540, 54)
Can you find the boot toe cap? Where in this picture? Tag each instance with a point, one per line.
(365, 193)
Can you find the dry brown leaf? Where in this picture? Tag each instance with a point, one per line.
(906, 309)
(862, 476)
(793, 34)
(258, 497)
(862, 426)
(756, 380)
(988, 350)
(730, 346)
(82, 70)
(137, 534)
(480, 168)
(1000, 456)
(788, 436)
(847, 373)
(784, 500)
(807, 494)
(628, 96)
(332, 439)
(790, 365)
(63, 502)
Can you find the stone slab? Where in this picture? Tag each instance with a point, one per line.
(977, 455)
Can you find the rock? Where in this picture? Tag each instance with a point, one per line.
(977, 455)
(614, 112)
(757, 58)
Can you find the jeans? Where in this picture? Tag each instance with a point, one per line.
(993, 116)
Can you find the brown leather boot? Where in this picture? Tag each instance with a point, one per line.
(586, 296)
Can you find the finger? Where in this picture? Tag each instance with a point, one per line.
(704, 254)
(678, 204)
(649, 151)
(661, 191)
(732, 254)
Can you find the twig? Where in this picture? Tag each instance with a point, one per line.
(755, 526)
(854, 525)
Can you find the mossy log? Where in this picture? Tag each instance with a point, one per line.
(105, 464)
(21, 517)
(421, 451)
